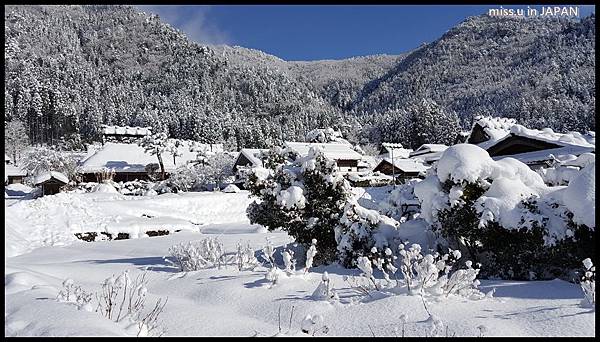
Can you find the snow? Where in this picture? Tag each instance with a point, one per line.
(292, 197)
(334, 151)
(51, 174)
(105, 187)
(231, 188)
(40, 253)
(580, 196)
(53, 220)
(570, 138)
(464, 162)
(495, 127)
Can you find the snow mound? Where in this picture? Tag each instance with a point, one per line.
(105, 188)
(580, 196)
(465, 162)
(231, 188)
(292, 197)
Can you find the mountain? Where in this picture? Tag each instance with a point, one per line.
(540, 71)
(69, 69)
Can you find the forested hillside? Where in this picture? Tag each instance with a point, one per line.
(537, 70)
(70, 69)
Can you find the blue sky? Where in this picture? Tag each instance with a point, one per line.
(320, 32)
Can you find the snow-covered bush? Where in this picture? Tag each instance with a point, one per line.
(72, 293)
(123, 299)
(135, 187)
(197, 255)
(244, 257)
(310, 255)
(324, 290)
(38, 160)
(288, 261)
(361, 229)
(402, 202)
(313, 325)
(502, 215)
(588, 282)
(305, 198)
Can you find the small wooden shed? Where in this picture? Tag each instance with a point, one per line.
(51, 182)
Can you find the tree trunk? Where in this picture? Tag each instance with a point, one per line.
(162, 165)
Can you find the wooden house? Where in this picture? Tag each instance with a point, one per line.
(247, 159)
(129, 161)
(345, 157)
(51, 182)
(541, 148)
(402, 169)
(428, 153)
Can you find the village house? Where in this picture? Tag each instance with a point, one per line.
(402, 168)
(395, 150)
(503, 137)
(428, 153)
(51, 182)
(247, 159)
(130, 161)
(12, 173)
(541, 148)
(345, 157)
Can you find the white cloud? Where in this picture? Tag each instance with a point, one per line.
(193, 20)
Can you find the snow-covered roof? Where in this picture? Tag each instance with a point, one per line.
(123, 157)
(126, 130)
(335, 151)
(407, 165)
(6, 158)
(253, 155)
(397, 150)
(41, 178)
(496, 128)
(428, 152)
(14, 171)
(548, 154)
(548, 135)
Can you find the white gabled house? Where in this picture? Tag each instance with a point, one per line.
(247, 159)
(428, 153)
(346, 158)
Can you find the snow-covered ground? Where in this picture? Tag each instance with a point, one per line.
(42, 252)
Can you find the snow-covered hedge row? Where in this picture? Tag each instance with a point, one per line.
(503, 214)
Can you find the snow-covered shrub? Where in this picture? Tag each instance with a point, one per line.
(305, 198)
(244, 257)
(588, 282)
(401, 202)
(123, 299)
(360, 230)
(324, 290)
(198, 255)
(502, 215)
(288, 261)
(314, 324)
(135, 187)
(72, 293)
(310, 255)
(38, 160)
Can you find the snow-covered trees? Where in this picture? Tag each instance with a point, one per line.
(502, 215)
(156, 144)
(43, 159)
(588, 282)
(15, 139)
(304, 197)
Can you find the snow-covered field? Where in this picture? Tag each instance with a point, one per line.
(41, 252)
